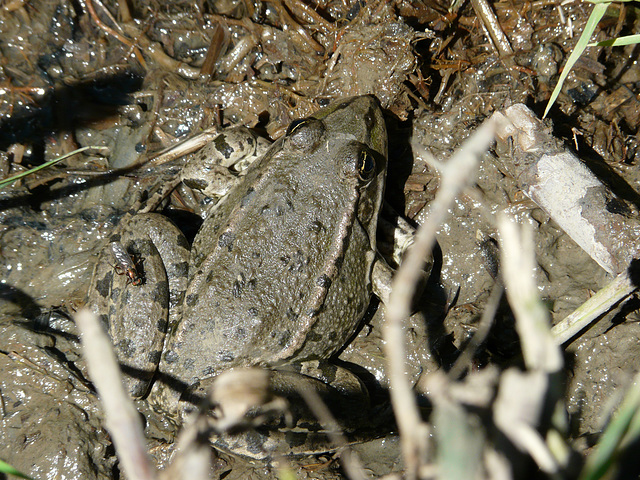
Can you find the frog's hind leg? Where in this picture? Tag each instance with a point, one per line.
(174, 251)
(282, 422)
(167, 288)
(137, 314)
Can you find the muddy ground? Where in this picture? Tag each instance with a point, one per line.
(137, 77)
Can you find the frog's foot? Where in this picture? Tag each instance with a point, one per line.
(353, 393)
(382, 278)
(395, 237)
(262, 414)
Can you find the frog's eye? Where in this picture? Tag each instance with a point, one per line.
(295, 125)
(366, 165)
(305, 134)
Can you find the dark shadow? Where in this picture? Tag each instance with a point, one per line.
(39, 320)
(400, 160)
(575, 417)
(64, 109)
(628, 465)
(67, 107)
(29, 308)
(626, 307)
(434, 305)
(503, 341)
(189, 223)
(46, 193)
(634, 272)
(48, 321)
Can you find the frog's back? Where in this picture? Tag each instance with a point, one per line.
(281, 270)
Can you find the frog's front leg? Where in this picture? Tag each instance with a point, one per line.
(137, 316)
(215, 168)
(395, 236)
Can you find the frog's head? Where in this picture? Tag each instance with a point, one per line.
(338, 165)
(361, 118)
(359, 130)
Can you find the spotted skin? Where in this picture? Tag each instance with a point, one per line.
(138, 316)
(280, 271)
(284, 261)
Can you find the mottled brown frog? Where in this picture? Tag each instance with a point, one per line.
(279, 272)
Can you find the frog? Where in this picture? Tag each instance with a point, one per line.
(278, 275)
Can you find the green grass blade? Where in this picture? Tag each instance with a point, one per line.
(617, 42)
(13, 178)
(623, 430)
(598, 12)
(9, 470)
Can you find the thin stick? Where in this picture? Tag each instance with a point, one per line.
(112, 32)
(456, 175)
(498, 38)
(589, 312)
(533, 324)
(122, 419)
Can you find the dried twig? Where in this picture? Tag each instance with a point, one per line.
(183, 148)
(500, 41)
(122, 419)
(219, 43)
(524, 397)
(192, 460)
(457, 173)
(517, 260)
(113, 33)
(589, 312)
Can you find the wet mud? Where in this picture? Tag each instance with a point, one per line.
(134, 78)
